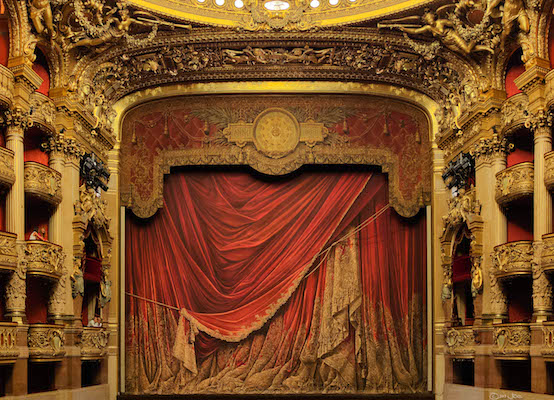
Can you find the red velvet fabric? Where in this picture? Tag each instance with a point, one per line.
(32, 142)
(4, 41)
(36, 302)
(461, 268)
(520, 222)
(93, 269)
(518, 156)
(227, 246)
(41, 69)
(512, 73)
(243, 244)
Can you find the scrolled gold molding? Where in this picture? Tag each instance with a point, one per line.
(43, 182)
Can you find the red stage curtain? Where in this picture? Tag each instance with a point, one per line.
(231, 249)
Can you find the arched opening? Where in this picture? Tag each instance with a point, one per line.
(463, 310)
(514, 68)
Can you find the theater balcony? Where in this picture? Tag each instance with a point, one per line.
(7, 174)
(461, 342)
(512, 341)
(46, 342)
(8, 253)
(44, 259)
(514, 183)
(549, 170)
(547, 260)
(43, 182)
(94, 343)
(42, 111)
(547, 346)
(8, 343)
(514, 112)
(6, 86)
(513, 259)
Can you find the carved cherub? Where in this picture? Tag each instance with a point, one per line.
(441, 28)
(41, 16)
(514, 15)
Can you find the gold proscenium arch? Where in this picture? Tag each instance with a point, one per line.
(268, 160)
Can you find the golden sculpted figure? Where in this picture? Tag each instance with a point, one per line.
(41, 16)
(441, 28)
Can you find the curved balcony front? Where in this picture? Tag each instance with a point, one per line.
(6, 86)
(547, 255)
(43, 111)
(44, 259)
(514, 183)
(8, 252)
(461, 342)
(514, 112)
(46, 342)
(43, 182)
(513, 259)
(512, 341)
(8, 342)
(549, 170)
(94, 343)
(7, 174)
(547, 347)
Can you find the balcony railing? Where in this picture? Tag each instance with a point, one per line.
(8, 252)
(7, 174)
(512, 341)
(512, 259)
(44, 259)
(547, 256)
(94, 343)
(43, 110)
(43, 182)
(514, 183)
(547, 347)
(461, 342)
(46, 342)
(6, 85)
(514, 112)
(8, 342)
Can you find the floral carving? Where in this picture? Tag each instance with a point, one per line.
(7, 174)
(8, 341)
(488, 148)
(42, 110)
(16, 292)
(542, 287)
(43, 182)
(8, 251)
(512, 340)
(514, 111)
(67, 147)
(46, 341)
(44, 259)
(514, 183)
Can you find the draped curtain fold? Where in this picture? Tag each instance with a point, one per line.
(269, 299)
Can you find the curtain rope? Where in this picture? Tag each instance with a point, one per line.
(323, 252)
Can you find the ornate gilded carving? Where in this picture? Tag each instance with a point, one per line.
(542, 287)
(294, 18)
(476, 275)
(77, 279)
(461, 342)
(58, 294)
(514, 112)
(46, 342)
(540, 122)
(44, 259)
(92, 207)
(8, 342)
(6, 85)
(512, 259)
(8, 251)
(94, 343)
(488, 148)
(43, 182)
(42, 111)
(16, 292)
(7, 174)
(549, 170)
(16, 117)
(68, 147)
(547, 257)
(514, 183)
(498, 300)
(512, 341)
(460, 209)
(547, 348)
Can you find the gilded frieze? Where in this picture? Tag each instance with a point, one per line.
(46, 342)
(513, 259)
(461, 341)
(8, 342)
(512, 341)
(94, 343)
(43, 182)
(514, 183)
(44, 259)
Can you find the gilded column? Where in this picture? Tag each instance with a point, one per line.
(17, 121)
(541, 125)
(490, 158)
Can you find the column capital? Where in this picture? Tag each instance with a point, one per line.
(59, 146)
(490, 149)
(540, 122)
(16, 117)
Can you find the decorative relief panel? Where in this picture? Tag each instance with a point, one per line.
(94, 343)
(514, 112)
(259, 132)
(46, 342)
(547, 348)
(6, 85)
(547, 256)
(8, 251)
(513, 259)
(44, 259)
(7, 174)
(43, 182)
(461, 342)
(512, 341)
(42, 111)
(514, 183)
(8, 342)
